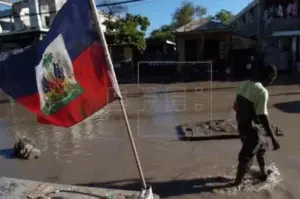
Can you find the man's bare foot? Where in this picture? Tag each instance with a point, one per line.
(236, 183)
(264, 177)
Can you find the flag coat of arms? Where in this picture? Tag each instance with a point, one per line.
(64, 78)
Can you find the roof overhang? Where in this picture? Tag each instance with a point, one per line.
(286, 33)
(6, 2)
(248, 7)
(23, 32)
(204, 32)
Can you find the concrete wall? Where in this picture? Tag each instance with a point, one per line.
(46, 10)
(247, 22)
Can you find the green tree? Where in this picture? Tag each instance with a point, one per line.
(165, 32)
(188, 12)
(222, 16)
(130, 29)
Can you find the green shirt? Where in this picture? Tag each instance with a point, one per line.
(251, 101)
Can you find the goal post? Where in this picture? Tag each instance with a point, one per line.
(173, 100)
(176, 70)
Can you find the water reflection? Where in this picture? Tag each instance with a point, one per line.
(101, 135)
(65, 144)
(150, 115)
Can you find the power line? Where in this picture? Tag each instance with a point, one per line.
(118, 3)
(55, 12)
(145, 3)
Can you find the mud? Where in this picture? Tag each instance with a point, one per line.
(97, 152)
(24, 148)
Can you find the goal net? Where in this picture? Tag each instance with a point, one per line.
(173, 90)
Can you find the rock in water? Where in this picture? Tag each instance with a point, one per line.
(24, 148)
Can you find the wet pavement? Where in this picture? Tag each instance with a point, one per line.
(97, 152)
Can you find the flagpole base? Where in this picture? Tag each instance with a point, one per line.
(147, 193)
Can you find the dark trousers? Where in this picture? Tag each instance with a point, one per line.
(254, 144)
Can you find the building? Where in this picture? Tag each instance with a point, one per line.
(28, 21)
(281, 30)
(210, 41)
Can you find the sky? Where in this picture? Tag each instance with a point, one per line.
(159, 12)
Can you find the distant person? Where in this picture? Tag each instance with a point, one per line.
(251, 109)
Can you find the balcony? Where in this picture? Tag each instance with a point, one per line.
(282, 24)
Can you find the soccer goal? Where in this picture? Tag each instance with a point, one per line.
(175, 71)
(165, 102)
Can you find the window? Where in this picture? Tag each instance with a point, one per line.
(251, 15)
(251, 11)
(47, 21)
(243, 20)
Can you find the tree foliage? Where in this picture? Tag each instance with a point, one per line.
(130, 29)
(165, 32)
(188, 12)
(223, 16)
(183, 15)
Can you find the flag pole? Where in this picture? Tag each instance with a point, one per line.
(116, 85)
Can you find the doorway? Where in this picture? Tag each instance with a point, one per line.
(191, 50)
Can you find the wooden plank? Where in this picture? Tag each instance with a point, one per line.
(215, 129)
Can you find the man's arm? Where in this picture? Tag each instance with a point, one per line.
(261, 110)
(263, 119)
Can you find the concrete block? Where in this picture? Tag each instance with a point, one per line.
(11, 188)
(215, 129)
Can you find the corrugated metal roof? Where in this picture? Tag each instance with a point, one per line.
(211, 25)
(200, 26)
(192, 25)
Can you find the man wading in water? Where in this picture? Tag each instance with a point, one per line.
(251, 108)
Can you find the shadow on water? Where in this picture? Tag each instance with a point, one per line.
(180, 133)
(289, 107)
(7, 153)
(171, 188)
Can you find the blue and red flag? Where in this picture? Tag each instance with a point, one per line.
(64, 78)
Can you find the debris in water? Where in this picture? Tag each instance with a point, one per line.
(216, 129)
(25, 148)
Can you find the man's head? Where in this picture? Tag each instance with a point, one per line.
(267, 74)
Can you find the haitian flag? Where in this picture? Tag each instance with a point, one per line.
(64, 78)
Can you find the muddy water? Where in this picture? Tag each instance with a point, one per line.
(97, 152)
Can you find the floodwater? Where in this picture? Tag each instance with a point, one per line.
(97, 152)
